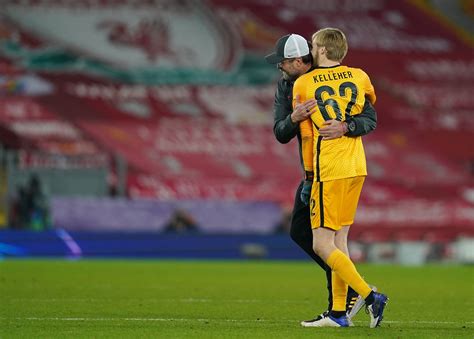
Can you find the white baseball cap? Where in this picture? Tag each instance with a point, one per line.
(287, 47)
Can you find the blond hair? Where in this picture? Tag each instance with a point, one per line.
(335, 42)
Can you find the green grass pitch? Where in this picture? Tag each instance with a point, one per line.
(220, 299)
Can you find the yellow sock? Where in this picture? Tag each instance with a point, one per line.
(346, 270)
(339, 293)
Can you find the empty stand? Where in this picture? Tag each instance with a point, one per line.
(194, 121)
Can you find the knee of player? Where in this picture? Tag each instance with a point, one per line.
(317, 248)
(321, 248)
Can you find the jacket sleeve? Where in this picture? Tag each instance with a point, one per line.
(283, 128)
(363, 123)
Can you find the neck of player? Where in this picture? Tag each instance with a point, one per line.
(329, 63)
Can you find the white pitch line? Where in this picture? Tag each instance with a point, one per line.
(172, 300)
(220, 320)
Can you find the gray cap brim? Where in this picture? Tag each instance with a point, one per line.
(274, 58)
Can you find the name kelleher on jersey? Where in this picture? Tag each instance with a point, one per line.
(332, 76)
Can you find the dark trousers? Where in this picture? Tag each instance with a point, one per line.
(302, 235)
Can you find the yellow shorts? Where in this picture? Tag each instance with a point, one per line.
(334, 203)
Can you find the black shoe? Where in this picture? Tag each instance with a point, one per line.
(352, 298)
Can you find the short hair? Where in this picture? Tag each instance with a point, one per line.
(335, 42)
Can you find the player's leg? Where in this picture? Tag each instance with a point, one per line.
(333, 213)
(353, 301)
(339, 286)
(340, 239)
(325, 222)
(324, 209)
(302, 235)
(352, 189)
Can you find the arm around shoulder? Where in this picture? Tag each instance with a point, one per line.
(363, 123)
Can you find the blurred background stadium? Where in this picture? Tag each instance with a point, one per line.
(143, 128)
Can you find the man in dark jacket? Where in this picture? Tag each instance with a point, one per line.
(293, 58)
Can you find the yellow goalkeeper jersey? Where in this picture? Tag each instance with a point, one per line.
(340, 92)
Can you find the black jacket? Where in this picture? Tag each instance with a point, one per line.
(285, 130)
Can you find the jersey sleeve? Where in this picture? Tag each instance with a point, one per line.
(369, 89)
(298, 92)
(306, 128)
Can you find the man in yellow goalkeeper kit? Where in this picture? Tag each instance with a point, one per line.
(335, 168)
